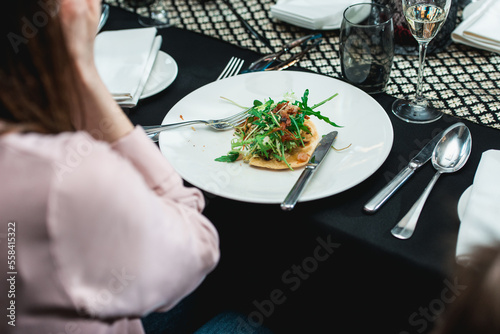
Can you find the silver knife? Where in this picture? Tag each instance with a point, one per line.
(317, 157)
(418, 160)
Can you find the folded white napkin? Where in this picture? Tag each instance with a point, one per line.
(482, 28)
(480, 224)
(311, 14)
(124, 59)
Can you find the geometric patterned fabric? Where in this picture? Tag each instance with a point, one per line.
(465, 81)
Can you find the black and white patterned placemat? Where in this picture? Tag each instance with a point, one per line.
(465, 80)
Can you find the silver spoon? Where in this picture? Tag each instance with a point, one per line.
(449, 155)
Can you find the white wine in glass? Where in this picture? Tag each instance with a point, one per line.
(425, 18)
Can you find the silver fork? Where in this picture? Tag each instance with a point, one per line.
(217, 124)
(232, 68)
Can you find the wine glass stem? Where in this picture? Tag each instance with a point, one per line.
(422, 50)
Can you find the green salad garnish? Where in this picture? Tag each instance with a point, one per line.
(274, 129)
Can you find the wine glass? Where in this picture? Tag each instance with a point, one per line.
(157, 15)
(425, 18)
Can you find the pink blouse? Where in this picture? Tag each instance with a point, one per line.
(104, 234)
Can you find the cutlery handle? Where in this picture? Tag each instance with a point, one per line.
(152, 129)
(404, 229)
(249, 27)
(383, 195)
(292, 197)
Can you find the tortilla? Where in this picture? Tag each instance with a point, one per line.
(310, 141)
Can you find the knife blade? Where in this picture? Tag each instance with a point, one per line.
(416, 162)
(317, 157)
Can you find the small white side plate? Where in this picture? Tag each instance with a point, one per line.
(462, 202)
(162, 75)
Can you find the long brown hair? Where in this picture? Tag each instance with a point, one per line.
(37, 90)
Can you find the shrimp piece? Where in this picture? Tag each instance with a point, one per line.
(302, 157)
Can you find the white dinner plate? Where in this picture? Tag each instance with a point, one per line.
(162, 75)
(192, 150)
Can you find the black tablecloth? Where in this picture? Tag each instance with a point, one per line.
(326, 266)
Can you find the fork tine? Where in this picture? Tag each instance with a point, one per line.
(230, 123)
(241, 115)
(228, 66)
(236, 120)
(232, 68)
(240, 120)
(236, 68)
(240, 66)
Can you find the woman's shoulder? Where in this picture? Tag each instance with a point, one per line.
(61, 157)
(57, 147)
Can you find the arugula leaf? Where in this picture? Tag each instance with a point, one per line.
(324, 101)
(232, 156)
(324, 118)
(305, 98)
(263, 147)
(294, 122)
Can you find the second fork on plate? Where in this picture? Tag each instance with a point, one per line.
(217, 124)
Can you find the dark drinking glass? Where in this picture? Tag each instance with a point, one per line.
(367, 46)
(139, 3)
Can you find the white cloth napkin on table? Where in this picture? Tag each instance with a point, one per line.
(482, 28)
(311, 14)
(124, 60)
(480, 224)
